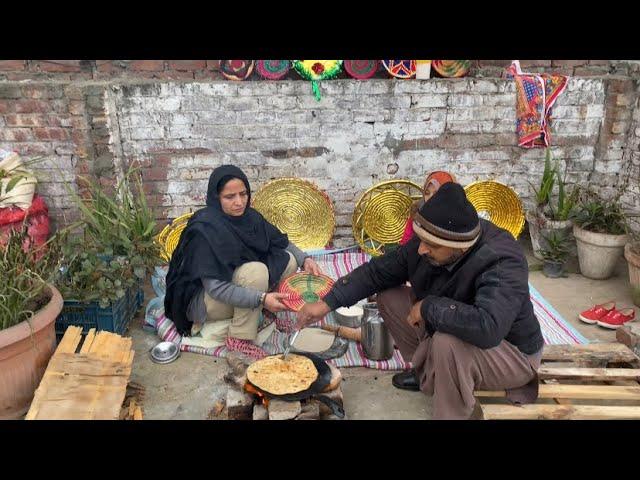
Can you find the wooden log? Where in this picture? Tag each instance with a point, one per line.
(594, 374)
(559, 412)
(603, 392)
(590, 353)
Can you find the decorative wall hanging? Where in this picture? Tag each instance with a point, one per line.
(381, 213)
(497, 203)
(273, 69)
(535, 96)
(316, 70)
(236, 69)
(452, 68)
(170, 235)
(299, 209)
(400, 68)
(423, 69)
(361, 69)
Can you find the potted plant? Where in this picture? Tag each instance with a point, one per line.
(555, 254)
(29, 305)
(632, 255)
(600, 230)
(542, 194)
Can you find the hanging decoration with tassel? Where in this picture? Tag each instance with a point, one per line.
(316, 70)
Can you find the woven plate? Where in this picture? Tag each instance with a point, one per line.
(451, 68)
(361, 69)
(170, 235)
(273, 69)
(400, 68)
(381, 214)
(236, 69)
(299, 209)
(302, 288)
(497, 203)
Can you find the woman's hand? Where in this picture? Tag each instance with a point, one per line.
(273, 302)
(310, 266)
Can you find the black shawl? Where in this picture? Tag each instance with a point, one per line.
(214, 244)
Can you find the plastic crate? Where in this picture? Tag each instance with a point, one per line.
(115, 318)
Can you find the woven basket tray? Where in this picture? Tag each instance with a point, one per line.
(299, 209)
(169, 237)
(381, 214)
(497, 203)
(302, 288)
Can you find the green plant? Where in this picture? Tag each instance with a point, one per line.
(25, 274)
(557, 247)
(566, 204)
(543, 193)
(601, 216)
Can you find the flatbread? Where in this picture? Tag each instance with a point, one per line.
(280, 377)
(314, 340)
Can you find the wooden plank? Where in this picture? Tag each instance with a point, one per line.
(595, 352)
(559, 412)
(70, 340)
(88, 341)
(603, 392)
(595, 374)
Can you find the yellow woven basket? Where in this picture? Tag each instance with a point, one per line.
(381, 214)
(497, 203)
(299, 209)
(169, 237)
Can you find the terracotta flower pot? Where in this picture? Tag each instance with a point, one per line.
(25, 350)
(540, 225)
(633, 261)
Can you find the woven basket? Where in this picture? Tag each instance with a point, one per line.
(381, 214)
(169, 237)
(451, 68)
(299, 209)
(497, 203)
(302, 288)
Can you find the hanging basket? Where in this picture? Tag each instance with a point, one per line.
(452, 68)
(400, 68)
(299, 209)
(273, 69)
(497, 203)
(381, 214)
(236, 69)
(317, 70)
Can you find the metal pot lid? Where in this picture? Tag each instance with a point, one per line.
(164, 352)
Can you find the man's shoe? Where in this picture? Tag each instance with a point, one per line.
(406, 380)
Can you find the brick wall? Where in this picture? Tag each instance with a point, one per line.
(94, 117)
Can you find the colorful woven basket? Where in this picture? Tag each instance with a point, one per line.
(497, 203)
(400, 68)
(302, 288)
(169, 237)
(381, 214)
(299, 209)
(316, 70)
(361, 69)
(451, 68)
(236, 69)
(273, 69)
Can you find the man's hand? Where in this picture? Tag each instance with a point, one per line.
(311, 313)
(415, 317)
(310, 266)
(273, 303)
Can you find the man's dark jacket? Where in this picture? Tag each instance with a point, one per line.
(483, 298)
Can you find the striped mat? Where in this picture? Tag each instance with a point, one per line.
(555, 329)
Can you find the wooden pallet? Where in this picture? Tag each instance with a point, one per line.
(604, 375)
(88, 385)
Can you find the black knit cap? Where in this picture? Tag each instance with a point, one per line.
(448, 218)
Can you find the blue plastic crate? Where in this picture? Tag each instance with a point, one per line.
(115, 318)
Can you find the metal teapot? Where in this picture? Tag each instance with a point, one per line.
(377, 342)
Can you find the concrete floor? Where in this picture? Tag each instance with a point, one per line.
(184, 389)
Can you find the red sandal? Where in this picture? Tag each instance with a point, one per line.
(597, 312)
(616, 318)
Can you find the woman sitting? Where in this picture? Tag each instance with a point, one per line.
(227, 261)
(431, 185)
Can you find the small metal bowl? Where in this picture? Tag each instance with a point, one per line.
(164, 352)
(353, 321)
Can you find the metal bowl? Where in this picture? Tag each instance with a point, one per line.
(353, 321)
(164, 352)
